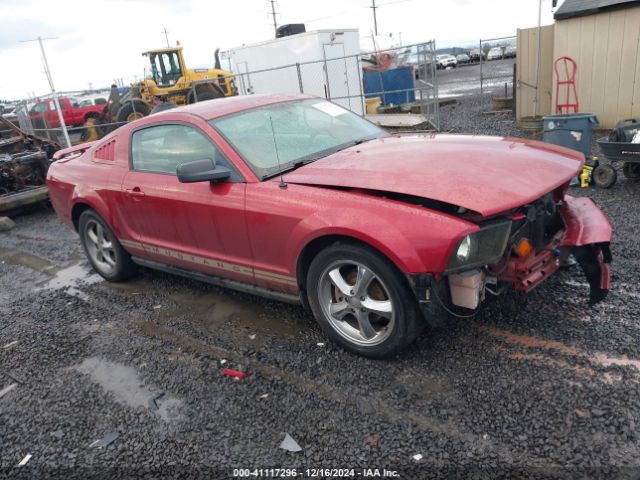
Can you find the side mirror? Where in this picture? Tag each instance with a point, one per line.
(201, 171)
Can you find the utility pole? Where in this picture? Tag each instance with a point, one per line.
(273, 13)
(56, 102)
(166, 37)
(537, 97)
(375, 19)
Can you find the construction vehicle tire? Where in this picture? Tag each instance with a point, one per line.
(207, 95)
(132, 110)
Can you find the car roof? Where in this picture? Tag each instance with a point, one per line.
(219, 107)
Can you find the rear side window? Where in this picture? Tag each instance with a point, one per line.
(162, 148)
(40, 107)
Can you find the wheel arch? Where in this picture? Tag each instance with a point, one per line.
(82, 203)
(89, 115)
(316, 244)
(77, 210)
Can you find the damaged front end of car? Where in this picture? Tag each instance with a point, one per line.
(519, 250)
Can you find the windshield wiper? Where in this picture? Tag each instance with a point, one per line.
(298, 164)
(352, 144)
(312, 158)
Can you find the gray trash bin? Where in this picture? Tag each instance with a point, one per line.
(571, 130)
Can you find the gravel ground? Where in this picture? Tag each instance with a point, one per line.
(535, 387)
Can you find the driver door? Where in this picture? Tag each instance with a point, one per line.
(197, 226)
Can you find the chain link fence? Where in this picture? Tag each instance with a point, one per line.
(400, 80)
(397, 80)
(497, 63)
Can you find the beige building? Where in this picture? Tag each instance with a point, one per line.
(603, 38)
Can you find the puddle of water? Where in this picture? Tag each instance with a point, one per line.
(132, 287)
(126, 386)
(66, 277)
(16, 257)
(418, 382)
(215, 311)
(70, 276)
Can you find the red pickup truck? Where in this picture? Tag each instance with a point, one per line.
(74, 115)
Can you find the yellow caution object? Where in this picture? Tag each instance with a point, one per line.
(585, 176)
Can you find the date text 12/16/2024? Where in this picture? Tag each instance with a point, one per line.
(315, 473)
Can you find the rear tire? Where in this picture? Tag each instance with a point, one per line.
(605, 176)
(206, 95)
(362, 301)
(106, 255)
(631, 170)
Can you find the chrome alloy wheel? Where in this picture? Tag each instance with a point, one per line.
(356, 303)
(100, 247)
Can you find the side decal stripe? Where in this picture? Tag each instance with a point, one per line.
(211, 262)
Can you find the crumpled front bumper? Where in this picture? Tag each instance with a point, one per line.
(587, 235)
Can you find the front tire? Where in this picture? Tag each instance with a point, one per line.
(362, 301)
(132, 110)
(103, 250)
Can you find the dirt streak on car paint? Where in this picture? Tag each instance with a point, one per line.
(598, 358)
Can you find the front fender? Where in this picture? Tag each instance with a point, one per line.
(363, 226)
(415, 239)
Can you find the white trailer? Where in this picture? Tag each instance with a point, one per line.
(322, 62)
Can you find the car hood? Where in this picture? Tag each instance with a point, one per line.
(488, 175)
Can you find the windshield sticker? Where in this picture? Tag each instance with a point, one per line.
(329, 108)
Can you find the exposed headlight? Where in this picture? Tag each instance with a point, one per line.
(464, 250)
(483, 247)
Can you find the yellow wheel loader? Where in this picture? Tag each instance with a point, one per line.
(167, 80)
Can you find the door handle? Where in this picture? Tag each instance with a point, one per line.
(135, 192)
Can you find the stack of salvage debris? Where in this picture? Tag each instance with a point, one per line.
(24, 161)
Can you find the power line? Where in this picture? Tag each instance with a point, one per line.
(165, 35)
(375, 20)
(273, 13)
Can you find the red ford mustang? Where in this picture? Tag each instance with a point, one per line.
(297, 199)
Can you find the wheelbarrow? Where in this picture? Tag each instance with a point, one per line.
(618, 147)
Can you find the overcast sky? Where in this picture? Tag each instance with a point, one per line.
(99, 40)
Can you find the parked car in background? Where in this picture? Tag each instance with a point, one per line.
(476, 54)
(300, 200)
(85, 102)
(7, 109)
(73, 114)
(413, 59)
(9, 113)
(510, 51)
(446, 60)
(463, 58)
(495, 53)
